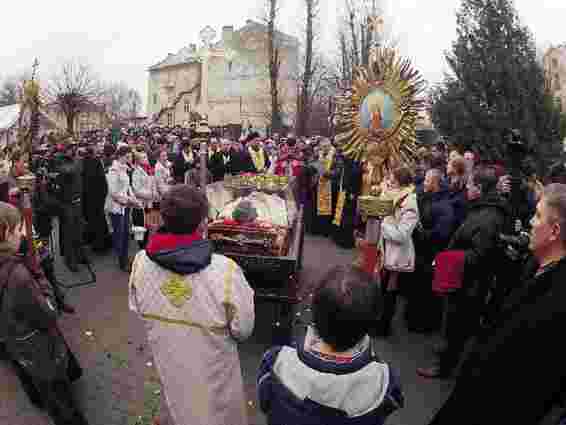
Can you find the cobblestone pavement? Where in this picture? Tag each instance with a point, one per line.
(119, 386)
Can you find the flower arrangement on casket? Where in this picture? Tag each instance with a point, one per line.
(256, 224)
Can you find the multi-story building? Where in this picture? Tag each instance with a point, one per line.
(227, 80)
(555, 72)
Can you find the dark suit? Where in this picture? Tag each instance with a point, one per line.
(181, 166)
(218, 165)
(241, 162)
(95, 190)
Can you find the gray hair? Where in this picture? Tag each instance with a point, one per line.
(554, 196)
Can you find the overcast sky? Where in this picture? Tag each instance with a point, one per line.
(122, 38)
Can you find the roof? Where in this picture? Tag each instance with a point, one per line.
(9, 116)
(253, 26)
(184, 56)
(189, 54)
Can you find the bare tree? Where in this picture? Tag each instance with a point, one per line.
(304, 98)
(121, 100)
(11, 88)
(356, 35)
(274, 64)
(73, 89)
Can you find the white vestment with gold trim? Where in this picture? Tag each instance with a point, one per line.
(193, 325)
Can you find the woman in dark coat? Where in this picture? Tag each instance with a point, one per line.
(28, 328)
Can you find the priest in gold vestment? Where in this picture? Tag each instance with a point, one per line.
(326, 190)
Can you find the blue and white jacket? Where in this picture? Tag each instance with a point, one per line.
(301, 386)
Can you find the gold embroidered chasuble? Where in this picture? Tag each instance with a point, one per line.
(324, 195)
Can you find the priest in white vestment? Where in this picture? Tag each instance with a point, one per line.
(197, 306)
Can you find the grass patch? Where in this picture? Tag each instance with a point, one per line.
(151, 404)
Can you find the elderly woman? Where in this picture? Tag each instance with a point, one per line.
(143, 186)
(163, 177)
(197, 306)
(28, 328)
(119, 202)
(333, 375)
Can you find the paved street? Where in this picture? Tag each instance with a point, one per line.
(119, 385)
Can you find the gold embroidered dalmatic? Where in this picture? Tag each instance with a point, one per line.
(258, 159)
(324, 197)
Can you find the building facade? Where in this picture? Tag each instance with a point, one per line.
(555, 72)
(226, 80)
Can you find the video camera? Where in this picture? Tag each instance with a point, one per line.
(516, 246)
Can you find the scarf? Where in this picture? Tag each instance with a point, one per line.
(148, 168)
(163, 241)
(190, 157)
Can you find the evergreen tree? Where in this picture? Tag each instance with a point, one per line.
(497, 84)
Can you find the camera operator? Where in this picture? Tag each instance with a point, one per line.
(69, 184)
(45, 207)
(516, 370)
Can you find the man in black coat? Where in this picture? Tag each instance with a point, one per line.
(183, 162)
(516, 372)
(240, 160)
(478, 238)
(219, 160)
(436, 225)
(95, 189)
(69, 194)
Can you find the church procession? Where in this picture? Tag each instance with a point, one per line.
(277, 237)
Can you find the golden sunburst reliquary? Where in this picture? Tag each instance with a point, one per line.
(380, 112)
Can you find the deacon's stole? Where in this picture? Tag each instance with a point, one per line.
(324, 195)
(258, 159)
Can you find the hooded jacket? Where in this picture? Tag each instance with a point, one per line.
(196, 305)
(298, 385)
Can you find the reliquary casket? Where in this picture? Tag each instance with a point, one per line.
(251, 218)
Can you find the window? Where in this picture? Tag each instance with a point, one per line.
(170, 119)
(557, 85)
(187, 108)
(155, 98)
(554, 63)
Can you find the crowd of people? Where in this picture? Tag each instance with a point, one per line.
(441, 248)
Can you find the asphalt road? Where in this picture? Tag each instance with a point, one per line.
(120, 385)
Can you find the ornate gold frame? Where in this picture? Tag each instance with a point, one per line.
(396, 145)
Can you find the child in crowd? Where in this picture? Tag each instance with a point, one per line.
(334, 376)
